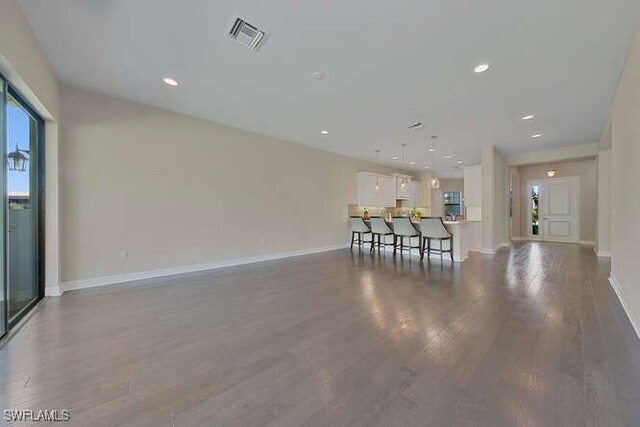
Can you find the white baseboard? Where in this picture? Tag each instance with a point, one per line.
(602, 254)
(151, 274)
(52, 291)
(485, 251)
(458, 258)
(488, 251)
(615, 284)
(580, 242)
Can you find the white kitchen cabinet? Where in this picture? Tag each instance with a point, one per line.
(370, 196)
(403, 187)
(472, 185)
(415, 199)
(473, 192)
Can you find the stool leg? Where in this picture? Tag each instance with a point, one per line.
(451, 247)
(353, 236)
(440, 250)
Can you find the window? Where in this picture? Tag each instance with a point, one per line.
(21, 179)
(452, 203)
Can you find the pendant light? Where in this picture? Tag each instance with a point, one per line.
(403, 182)
(551, 172)
(378, 170)
(435, 182)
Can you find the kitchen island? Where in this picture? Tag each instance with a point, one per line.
(465, 237)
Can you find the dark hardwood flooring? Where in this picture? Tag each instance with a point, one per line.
(533, 336)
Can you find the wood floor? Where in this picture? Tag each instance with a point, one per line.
(533, 336)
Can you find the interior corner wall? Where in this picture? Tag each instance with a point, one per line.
(625, 176)
(501, 210)
(516, 200)
(144, 189)
(488, 168)
(25, 66)
(603, 217)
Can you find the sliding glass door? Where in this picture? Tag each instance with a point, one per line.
(3, 283)
(21, 180)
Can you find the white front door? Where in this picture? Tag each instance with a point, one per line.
(557, 215)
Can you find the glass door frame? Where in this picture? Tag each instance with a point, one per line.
(36, 161)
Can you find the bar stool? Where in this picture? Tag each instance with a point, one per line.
(402, 227)
(433, 229)
(359, 227)
(380, 228)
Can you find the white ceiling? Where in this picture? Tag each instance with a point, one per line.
(386, 64)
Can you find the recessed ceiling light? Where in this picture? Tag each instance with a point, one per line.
(529, 117)
(170, 81)
(447, 157)
(318, 75)
(412, 163)
(432, 150)
(481, 68)
(460, 162)
(537, 135)
(426, 167)
(394, 158)
(324, 132)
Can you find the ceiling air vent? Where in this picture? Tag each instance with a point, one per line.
(415, 126)
(246, 34)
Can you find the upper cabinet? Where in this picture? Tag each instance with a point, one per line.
(473, 192)
(376, 190)
(403, 187)
(382, 191)
(416, 192)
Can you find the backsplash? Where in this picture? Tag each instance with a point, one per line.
(356, 210)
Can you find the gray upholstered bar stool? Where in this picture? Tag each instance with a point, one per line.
(359, 227)
(403, 228)
(433, 229)
(381, 229)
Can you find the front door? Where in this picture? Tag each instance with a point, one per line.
(553, 209)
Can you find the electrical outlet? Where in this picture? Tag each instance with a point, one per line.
(124, 254)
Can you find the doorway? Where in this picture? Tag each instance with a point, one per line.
(553, 209)
(21, 179)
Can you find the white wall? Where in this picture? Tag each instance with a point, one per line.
(586, 170)
(603, 214)
(487, 161)
(177, 191)
(25, 66)
(624, 121)
(571, 152)
(495, 205)
(452, 184)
